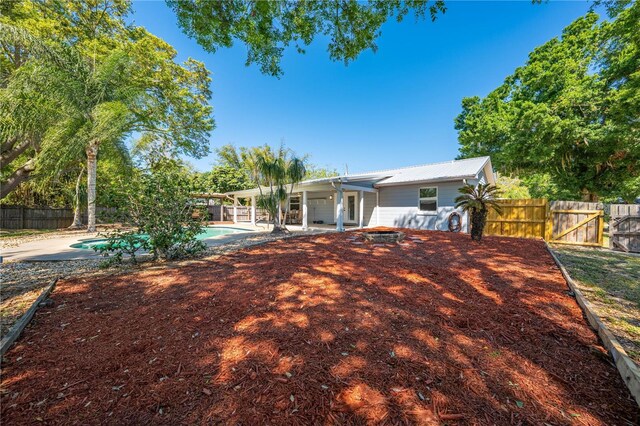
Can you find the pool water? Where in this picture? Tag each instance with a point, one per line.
(209, 232)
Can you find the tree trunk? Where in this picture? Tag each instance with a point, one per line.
(16, 178)
(589, 196)
(13, 151)
(92, 165)
(77, 213)
(478, 222)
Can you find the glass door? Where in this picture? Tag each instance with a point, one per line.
(350, 207)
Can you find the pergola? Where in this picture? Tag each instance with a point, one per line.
(212, 195)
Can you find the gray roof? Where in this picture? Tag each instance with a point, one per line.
(468, 168)
(449, 170)
(446, 170)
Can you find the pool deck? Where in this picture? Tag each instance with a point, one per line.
(58, 249)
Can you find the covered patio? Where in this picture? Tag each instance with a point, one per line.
(320, 203)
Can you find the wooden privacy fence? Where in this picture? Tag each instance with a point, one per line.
(577, 223)
(624, 227)
(526, 218)
(18, 217)
(244, 213)
(561, 222)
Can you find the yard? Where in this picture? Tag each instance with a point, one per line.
(321, 329)
(611, 282)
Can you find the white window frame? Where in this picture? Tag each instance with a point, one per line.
(421, 199)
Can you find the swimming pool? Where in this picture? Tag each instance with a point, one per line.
(208, 232)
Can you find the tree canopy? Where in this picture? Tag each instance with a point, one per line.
(267, 28)
(570, 114)
(78, 78)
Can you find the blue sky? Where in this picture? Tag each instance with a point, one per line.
(387, 109)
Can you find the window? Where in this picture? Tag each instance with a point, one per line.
(294, 203)
(428, 200)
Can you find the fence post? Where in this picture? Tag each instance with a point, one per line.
(21, 217)
(548, 224)
(601, 228)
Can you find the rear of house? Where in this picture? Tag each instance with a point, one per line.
(420, 197)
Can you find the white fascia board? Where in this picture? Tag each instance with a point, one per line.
(416, 182)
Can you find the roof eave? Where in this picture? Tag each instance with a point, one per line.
(421, 181)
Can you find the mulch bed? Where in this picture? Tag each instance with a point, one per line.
(321, 330)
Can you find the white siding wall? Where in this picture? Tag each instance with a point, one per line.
(482, 178)
(369, 208)
(399, 207)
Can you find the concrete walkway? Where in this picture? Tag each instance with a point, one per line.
(56, 249)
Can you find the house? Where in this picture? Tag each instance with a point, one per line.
(413, 197)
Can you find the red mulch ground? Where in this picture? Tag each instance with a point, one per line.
(319, 330)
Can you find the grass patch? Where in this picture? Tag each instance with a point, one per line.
(611, 281)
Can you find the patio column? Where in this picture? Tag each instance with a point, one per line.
(305, 220)
(361, 215)
(339, 209)
(235, 209)
(253, 210)
(378, 208)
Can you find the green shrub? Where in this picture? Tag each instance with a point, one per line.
(158, 206)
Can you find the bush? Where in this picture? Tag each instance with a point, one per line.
(158, 207)
(120, 243)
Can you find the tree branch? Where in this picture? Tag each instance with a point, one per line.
(14, 152)
(16, 178)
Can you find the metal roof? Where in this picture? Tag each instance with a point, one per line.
(468, 168)
(456, 169)
(445, 170)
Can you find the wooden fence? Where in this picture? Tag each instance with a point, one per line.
(18, 217)
(624, 227)
(577, 223)
(526, 218)
(244, 213)
(561, 222)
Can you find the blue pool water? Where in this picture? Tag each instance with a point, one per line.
(207, 233)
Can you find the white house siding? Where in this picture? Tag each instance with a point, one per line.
(369, 208)
(398, 206)
(320, 207)
(482, 178)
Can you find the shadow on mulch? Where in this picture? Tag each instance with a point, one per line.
(321, 330)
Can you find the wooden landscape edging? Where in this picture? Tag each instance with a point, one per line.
(19, 326)
(626, 367)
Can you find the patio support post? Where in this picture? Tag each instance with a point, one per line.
(305, 220)
(339, 209)
(253, 210)
(361, 213)
(235, 209)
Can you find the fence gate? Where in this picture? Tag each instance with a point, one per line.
(577, 223)
(624, 227)
(525, 218)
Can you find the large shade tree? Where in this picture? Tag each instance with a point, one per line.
(569, 116)
(268, 28)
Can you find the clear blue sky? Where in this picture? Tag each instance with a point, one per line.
(387, 109)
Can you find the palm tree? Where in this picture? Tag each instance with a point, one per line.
(134, 87)
(279, 172)
(477, 200)
(295, 173)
